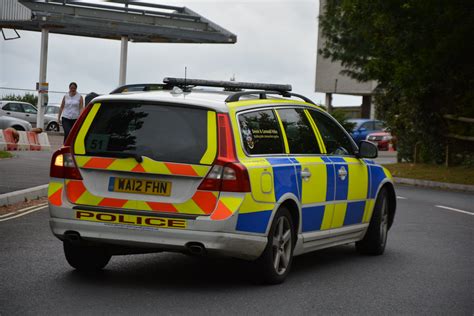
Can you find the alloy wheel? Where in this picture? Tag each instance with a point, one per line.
(282, 243)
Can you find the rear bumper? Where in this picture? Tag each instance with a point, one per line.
(243, 246)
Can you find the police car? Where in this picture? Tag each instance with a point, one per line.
(250, 171)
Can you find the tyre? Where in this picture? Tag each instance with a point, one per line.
(53, 126)
(86, 258)
(375, 238)
(18, 128)
(275, 262)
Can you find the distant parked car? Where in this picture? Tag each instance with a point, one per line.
(21, 110)
(51, 118)
(383, 140)
(19, 125)
(364, 127)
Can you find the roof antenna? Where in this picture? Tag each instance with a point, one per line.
(185, 72)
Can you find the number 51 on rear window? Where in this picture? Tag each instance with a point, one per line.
(97, 142)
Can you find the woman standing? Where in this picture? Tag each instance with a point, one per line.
(71, 107)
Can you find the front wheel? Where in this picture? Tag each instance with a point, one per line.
(53, 126)
(86, 258)
(275, 262)
(376, 237)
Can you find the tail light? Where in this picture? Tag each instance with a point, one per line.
(63, 165)
(227, 174)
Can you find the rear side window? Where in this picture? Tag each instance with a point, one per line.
(335, 139)
(261, 133)
(299, 133)
(15, 107)
(160, 132)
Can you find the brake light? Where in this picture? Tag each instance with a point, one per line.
(227, 174)
(63, 165)
(77, 126)
(226, 139)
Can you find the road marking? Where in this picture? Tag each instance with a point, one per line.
(454, 209)
(22, 212)
(401, 197)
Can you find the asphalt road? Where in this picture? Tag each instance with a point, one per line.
(426, 269)
(27, 168)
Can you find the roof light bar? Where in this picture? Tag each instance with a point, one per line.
(232, 85)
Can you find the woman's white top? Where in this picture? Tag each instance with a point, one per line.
(71, 106)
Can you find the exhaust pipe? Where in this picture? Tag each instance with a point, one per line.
(72, 237)
(196, 248)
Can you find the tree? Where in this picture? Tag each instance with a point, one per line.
(27, 97)
(420, 53)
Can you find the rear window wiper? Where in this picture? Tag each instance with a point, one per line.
(120, 154)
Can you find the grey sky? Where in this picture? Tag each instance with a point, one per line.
(276, 43)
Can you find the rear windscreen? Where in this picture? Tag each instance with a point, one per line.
(160, 132)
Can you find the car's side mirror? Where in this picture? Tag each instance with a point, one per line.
(362, 129)
(367, 150)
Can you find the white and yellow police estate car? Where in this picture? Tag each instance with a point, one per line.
(260, 174)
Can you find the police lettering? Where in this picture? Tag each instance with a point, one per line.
(131, 219)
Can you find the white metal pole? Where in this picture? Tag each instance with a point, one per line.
(123, 61)
(42, 75)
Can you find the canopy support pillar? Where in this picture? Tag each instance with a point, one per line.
(42, 76)
(123, 61)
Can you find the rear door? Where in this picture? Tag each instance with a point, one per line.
(145, 156)
(316, 182)
(14, 109)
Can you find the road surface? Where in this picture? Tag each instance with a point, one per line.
(427, 269)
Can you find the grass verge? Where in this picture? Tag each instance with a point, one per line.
(458, 174)
(5, 154)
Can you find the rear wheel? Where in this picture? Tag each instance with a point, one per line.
(376, 237)
(275, 262)
(86, 258)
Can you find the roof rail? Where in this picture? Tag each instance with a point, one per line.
(228, 85)
(263, 95)
(138, 87)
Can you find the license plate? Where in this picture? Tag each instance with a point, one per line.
(140, 186)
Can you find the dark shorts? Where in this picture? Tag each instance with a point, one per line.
(67, 125)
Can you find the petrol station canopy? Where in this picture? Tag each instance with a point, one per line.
(138, 20)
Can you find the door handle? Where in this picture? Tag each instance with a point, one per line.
(305, 174)
(27, 115)
(8, 113)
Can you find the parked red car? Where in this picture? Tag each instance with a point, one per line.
(383, 140)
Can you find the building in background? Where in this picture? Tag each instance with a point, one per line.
(329, 80)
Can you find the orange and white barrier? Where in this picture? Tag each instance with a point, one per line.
(11, 140)
(43, 141)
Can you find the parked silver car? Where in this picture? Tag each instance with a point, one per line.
(28, 112)
(21, 110)
(19, 125)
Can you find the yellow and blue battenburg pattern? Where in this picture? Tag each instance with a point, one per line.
(340, 192)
